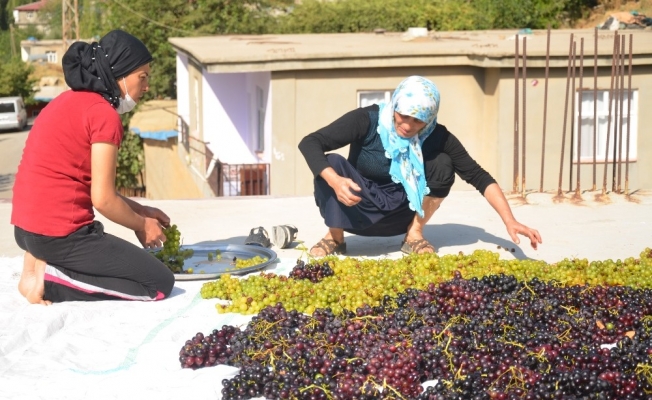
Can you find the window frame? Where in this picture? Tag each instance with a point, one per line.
(387, 93)
(586, 153)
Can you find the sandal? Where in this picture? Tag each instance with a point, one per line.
(416, 246)
(258, 237)
(284, 235)
(330, 247)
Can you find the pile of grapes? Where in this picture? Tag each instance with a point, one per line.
(366, 282)
(171, 254)
(494, 337)
(314, 272)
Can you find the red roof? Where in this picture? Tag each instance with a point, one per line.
(36, 6)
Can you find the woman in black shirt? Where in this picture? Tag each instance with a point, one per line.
(401, 166)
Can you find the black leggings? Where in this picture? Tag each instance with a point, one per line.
(90, 265)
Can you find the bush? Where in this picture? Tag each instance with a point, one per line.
(130, 162)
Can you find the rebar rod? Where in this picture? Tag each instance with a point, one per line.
(617, 118)
(621, 112)
(630, 96)
(572, 113)
(579, 120)
(516, 127)
(523, 152)
(611, 89)
(595, 105)
(545, 109)
(563, 137)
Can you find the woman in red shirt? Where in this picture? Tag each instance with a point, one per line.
(68, 170)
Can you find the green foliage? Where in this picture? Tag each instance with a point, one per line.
(15, 79)
(313, 16)
(91, 18)
(130, 161)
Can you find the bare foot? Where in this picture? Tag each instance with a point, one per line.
(32, 280)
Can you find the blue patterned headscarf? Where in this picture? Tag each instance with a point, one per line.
(417, 97)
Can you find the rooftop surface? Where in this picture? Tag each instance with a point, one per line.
(465, 222)
(233, 53)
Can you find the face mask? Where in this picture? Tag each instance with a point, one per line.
(127, 104)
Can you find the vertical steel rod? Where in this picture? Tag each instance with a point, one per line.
(516, 130)
(524, 117)
(545, 109)
(595, 105)
(563, 135)
(630, 95)
(578, 190)
(572, 113)
(617, 118)
(622, 114)
(611, 90)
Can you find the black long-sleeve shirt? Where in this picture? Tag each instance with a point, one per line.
(368, 155)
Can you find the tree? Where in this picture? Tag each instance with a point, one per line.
(15, 79)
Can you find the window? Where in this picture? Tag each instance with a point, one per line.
(260, 118)
(51, 56)
(586, 151)
(369, 97)
(30, 15)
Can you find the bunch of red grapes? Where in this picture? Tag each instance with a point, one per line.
(314, 272)
(479, 339)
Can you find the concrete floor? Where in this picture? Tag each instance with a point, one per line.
(465, 222)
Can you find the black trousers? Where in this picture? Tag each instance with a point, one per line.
(90, 265)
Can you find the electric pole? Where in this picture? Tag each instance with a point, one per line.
(12, 39)
(70, 22)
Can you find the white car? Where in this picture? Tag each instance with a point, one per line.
(13, 115)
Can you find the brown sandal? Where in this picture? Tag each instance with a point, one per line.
(416, 246)
(330, 247)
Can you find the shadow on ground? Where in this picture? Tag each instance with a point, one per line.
(6, 182)
(441, 236)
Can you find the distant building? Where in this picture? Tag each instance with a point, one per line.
(31, 15)
(45, 51)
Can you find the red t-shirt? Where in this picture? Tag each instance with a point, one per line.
(52, 190)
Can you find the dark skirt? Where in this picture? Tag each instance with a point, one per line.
(383, 211)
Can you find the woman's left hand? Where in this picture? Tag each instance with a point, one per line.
(515, 228)
(160, 216)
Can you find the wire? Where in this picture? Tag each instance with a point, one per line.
(151, 20)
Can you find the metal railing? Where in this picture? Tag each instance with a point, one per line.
(242, 179)
(185, 134)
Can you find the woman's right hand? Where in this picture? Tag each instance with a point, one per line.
(152, 235)
(344, 187)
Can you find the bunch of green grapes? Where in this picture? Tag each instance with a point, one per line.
(240, 263)
(171, 254)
